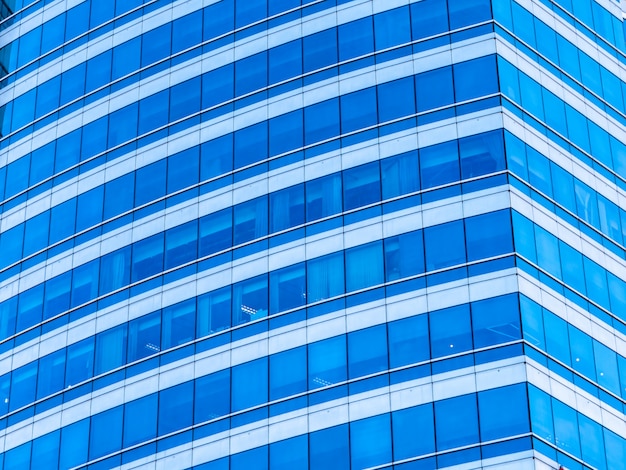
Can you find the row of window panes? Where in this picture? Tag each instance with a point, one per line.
(559, 185)
(575, 433)
(445, 245)
(568, 265)
(573, 347)
(564, 119)
(562, 52)
(178, 407)
(411, 340)
(386, 29)
(439, 164)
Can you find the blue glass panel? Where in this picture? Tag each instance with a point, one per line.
(450, 331)
(325, 277)
(320, 49)
(361, 185)
(327, 362)
(111, 348)
(45, 451)
(287, 288)
(250, 220)
(250, 300)
(392, 27)
(255, 458)
(477, 77)
(106, 432)
(178, 324)
(434, 88)
(367, 351)
(399, 175)
(566, 428)
(212, 398)
(503, 412)
(370, 441)
(144, 336)
(321, 121)
(429, 17)
(329, 445)
(290, 454)
(249, 384)
(51, 375)
(448, 414)
(175, 408)
(495, 320)
(23, 386)
(364, 266)
(445, 245)
(323, 197)
(288, 373)
(116, 265)
(181, 244)
(439, 164)
(79, 365)
(74, 444)
(216, 232)
(147, 257)
(213, 312)
(287, 208)
(488, 235)
(140, 419)
(413, 432)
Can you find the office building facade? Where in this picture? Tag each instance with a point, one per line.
(295, 234)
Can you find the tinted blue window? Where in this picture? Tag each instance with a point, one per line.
(178, 324)
(140, 419)
(429, 17)
(325, 277)
(187, 31)
(106, 432)
(251, 145)
(445, 245)
(434, 88)
(481, 154)
(450, 331)
(439, 164)
(85, 283)
(399, 175)
(45, 451)
(495, 321)
(57, 298)
(74, 444)
(249, 384)
(216, 157)
(111, 349)
(175, 408)
(323, 197)
(212, 396)
(99, 68)
(119, 195)
(51, 375)
(116, 265)
(557, 342)
(503, 412)
(582, 352)
(250, 300)
(413, 432)
(466, 12)
(320, 49)
(67, 151)
(285, 61)
(475, 78)
(255, 458)
(126, 57)
(287, 288)
(79, 365)
(18, 457)
(213, 312)
(288, 373)
(286, 208)
(183, 169)
(216, 232)
(566, 428)
(327, 362)
(488, 235)
(250, 73)
(408, 341)
(286, 132)
(449, 414)
(329, 445)
(548, 251)
(156, 44)
(404, 255)
(367, 351)
(73, 83)
(361, 185)
(144, 336)
(392, 27)
(24, 384)
(123, 125)
(356, 38)
(370, 441)
(147, 257)
(396, 99)
(153, 111)
(218, 86)
(290, 454)
(364, 266)
(358, 110)
(321, 121)
(181, 244)
(89, 208)
(29, 307)
(249, 12)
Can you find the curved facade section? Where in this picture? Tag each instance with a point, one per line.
(292, 234)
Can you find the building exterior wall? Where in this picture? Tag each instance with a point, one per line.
(313, 234)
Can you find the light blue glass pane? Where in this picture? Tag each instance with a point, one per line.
(216, 157)
(563, 184)
(111, 348)
(175, 408)
(477, 77)
(51, 375)
(595, 279)
(323, 197)
(288, 373)
(287, 288)
(592, 442)
(249, 384)
(74, 444)
(321, 121)
(606, 367)
(290, 454)
(106, 432)
(481, 154)
(140, 419)
(434, 89)
(448, 414)
(327, 362)
(586, 203)
(541, 413)
(364, 266)
(503, 412)
(329, 445)
(23, 386)
(178, 324)
(250, 300)
(320, 49)
(147, 257)
(524, 236)
(392, 27)
(445, 245)
(370, 441)
(582, 353)
(79, 365)
(212, 398)
(181, 244)
(439, 164)
(429, 17)
(255, 458)
(216, 232)
(367, 351)
(213, 312)
(285, 61)
(557, 342)
(250, 220)
(404, 255)
(399, 175)
(495, 320)
(450, 331)
(488, 235)
(566, 428)
(45, 453)
(144, 336)
(287, 208)
(532, 322)
(115, 270)
(17, 458)
(325, 277)
(413, 432)
(183, 169)
(408, 341)
(615, 450)
(548, 251)
(356, 38)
